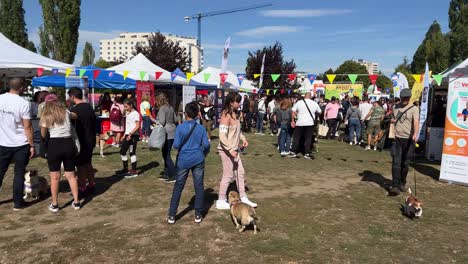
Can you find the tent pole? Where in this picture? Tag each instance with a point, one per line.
(93, 96)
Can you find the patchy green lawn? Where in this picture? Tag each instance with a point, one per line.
(333, 209)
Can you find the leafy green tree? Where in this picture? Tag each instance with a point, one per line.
(434, 49)
(274, 64)
(12, 23)
(458, 23)
(352, 67)
(405, 68)
(165, 53)
(454, 11)
(88, 55)
(102, 64)
(59, 34)
(384, 82)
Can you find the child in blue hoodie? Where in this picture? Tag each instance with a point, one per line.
(192, 143)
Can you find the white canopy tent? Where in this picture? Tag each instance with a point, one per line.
(16, 61)
(140, 63)
(214, 79)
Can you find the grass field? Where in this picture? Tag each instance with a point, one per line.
(333, 209)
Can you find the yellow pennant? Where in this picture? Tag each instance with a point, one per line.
(125, 74)
(256, 75)
(189, 76)
(67, 72)
(331, 77)
(417, 77)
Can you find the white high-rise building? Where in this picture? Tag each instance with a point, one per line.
(372, 67)
(124, 46)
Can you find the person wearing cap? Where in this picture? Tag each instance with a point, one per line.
(406, 121)
(331, 116)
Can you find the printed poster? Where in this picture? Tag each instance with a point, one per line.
(339, 90)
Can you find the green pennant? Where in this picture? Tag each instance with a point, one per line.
(274, 91)
(352, 78)
(82, 72)
(206, 76)
(275, 77)
(437, 78)
(142, 75)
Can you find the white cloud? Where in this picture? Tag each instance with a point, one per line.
(269, 30)
(298, 13)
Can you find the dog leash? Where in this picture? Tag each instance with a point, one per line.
(414, 167)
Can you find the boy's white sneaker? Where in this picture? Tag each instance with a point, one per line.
(222, 205)
(247, 201)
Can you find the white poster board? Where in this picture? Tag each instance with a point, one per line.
(454, 167)
(188, 95)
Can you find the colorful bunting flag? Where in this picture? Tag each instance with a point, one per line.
(331, 77)
(254, 91)
(96, 74)
(40, 71)
(267, 91)
(206, 76)
(437, 78)
(82, 72)
(157, 75)
(125, 74)
(417, 77)
(275, 77)
(373, 78)
(55, 71)
(173, 76)
(240, 78)
(142, 75)
(256, 75)
(312, 77)
(67, 72)
(289, 91)
(189, 76)
(223, 77)
(352, 78)
(292, 77)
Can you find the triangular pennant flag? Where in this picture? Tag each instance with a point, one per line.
(157, 75)
(254, 91)
(82, 72)
(240, 78)
(437, 78)
(289, 91)
(223, 77)
(352, 78)
(331, 77)
(55, 71)
(267, 91)
(206, 76)
(312, 77)
(256, 75)
(282, 91)
(67, 72)
(373, 78)
(417, 77)
(275, 77)
(125, 74)
(173, 76)
(96, 74)
(142, 75)
(40, 71)
(274, 91)
(189, 76)
(292, 77)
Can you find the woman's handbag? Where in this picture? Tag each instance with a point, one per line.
(323, 130)
(157, 137)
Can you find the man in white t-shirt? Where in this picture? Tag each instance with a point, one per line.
(271, 111)
(305, 111)
(365, 108)
(16, 140)
(261, 114)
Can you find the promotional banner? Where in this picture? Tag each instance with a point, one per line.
(261, 72)
(339, 90)
(219, 104)
(455, 150)
(424, 106)
(400, 82)
(188, 95)
(224, 61)
(71, 82)
(144, 88)
(416, 92)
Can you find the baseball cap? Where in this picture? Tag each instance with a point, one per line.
(405, 93)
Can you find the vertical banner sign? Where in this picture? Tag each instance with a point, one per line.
(261, 72)
(224, 61)
(144, 88)
(188, 95)
(455, 150)
(219, 103)
(400, 82)
(424, 106)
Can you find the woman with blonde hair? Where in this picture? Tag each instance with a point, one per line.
(283, 118)
(167, 118)
(61, 148)
(145, 111)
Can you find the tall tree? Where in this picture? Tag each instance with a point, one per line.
(405, 68)
(164, 53)
(12, 23)
(458, 23)
(88, 55)
(434, 49)
(102, 64)
(274, 64)
(59, 34)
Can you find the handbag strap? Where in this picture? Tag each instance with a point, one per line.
(188, 136)
(404, 112)
(313, 119)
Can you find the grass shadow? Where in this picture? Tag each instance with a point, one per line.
(103, 184)
(209, 198)
(427, 170)
(378, 178)
(149, 166)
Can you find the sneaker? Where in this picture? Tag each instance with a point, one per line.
(261, 134)
(247, 201)
(222, 205)
(350, 143)
(131, 174)
(292, 155)
(284, 153)
(375, 148)
(162, 178)
(198, 219)
(271, 134)
(76, 206)
(394, 191)
(170, 219)
(367, 147)
(171, 180)
(309, 157)
(122, 172)
(53, 208)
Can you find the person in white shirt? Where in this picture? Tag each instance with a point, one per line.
(130, 139)
(305, 111)
(271, 112)
(16, 140)
(261, 114)
(365, 108)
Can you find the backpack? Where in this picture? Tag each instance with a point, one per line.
(115, 115)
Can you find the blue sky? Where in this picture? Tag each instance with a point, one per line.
(317, 34)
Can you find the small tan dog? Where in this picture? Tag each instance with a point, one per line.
(241, 212)
(413, 206)
(102, 142)
(34, 185)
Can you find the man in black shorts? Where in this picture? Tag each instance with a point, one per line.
(85, 125)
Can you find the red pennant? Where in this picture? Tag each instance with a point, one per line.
(373, 78)
(96, 74)
(158, 75)
(223, 77)
(40, 71)
(254, 91)
(282, 90)
(292, 77)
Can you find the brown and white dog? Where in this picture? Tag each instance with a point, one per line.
(34, 185)
(242, 213)
(413, 206)
(102, 142)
